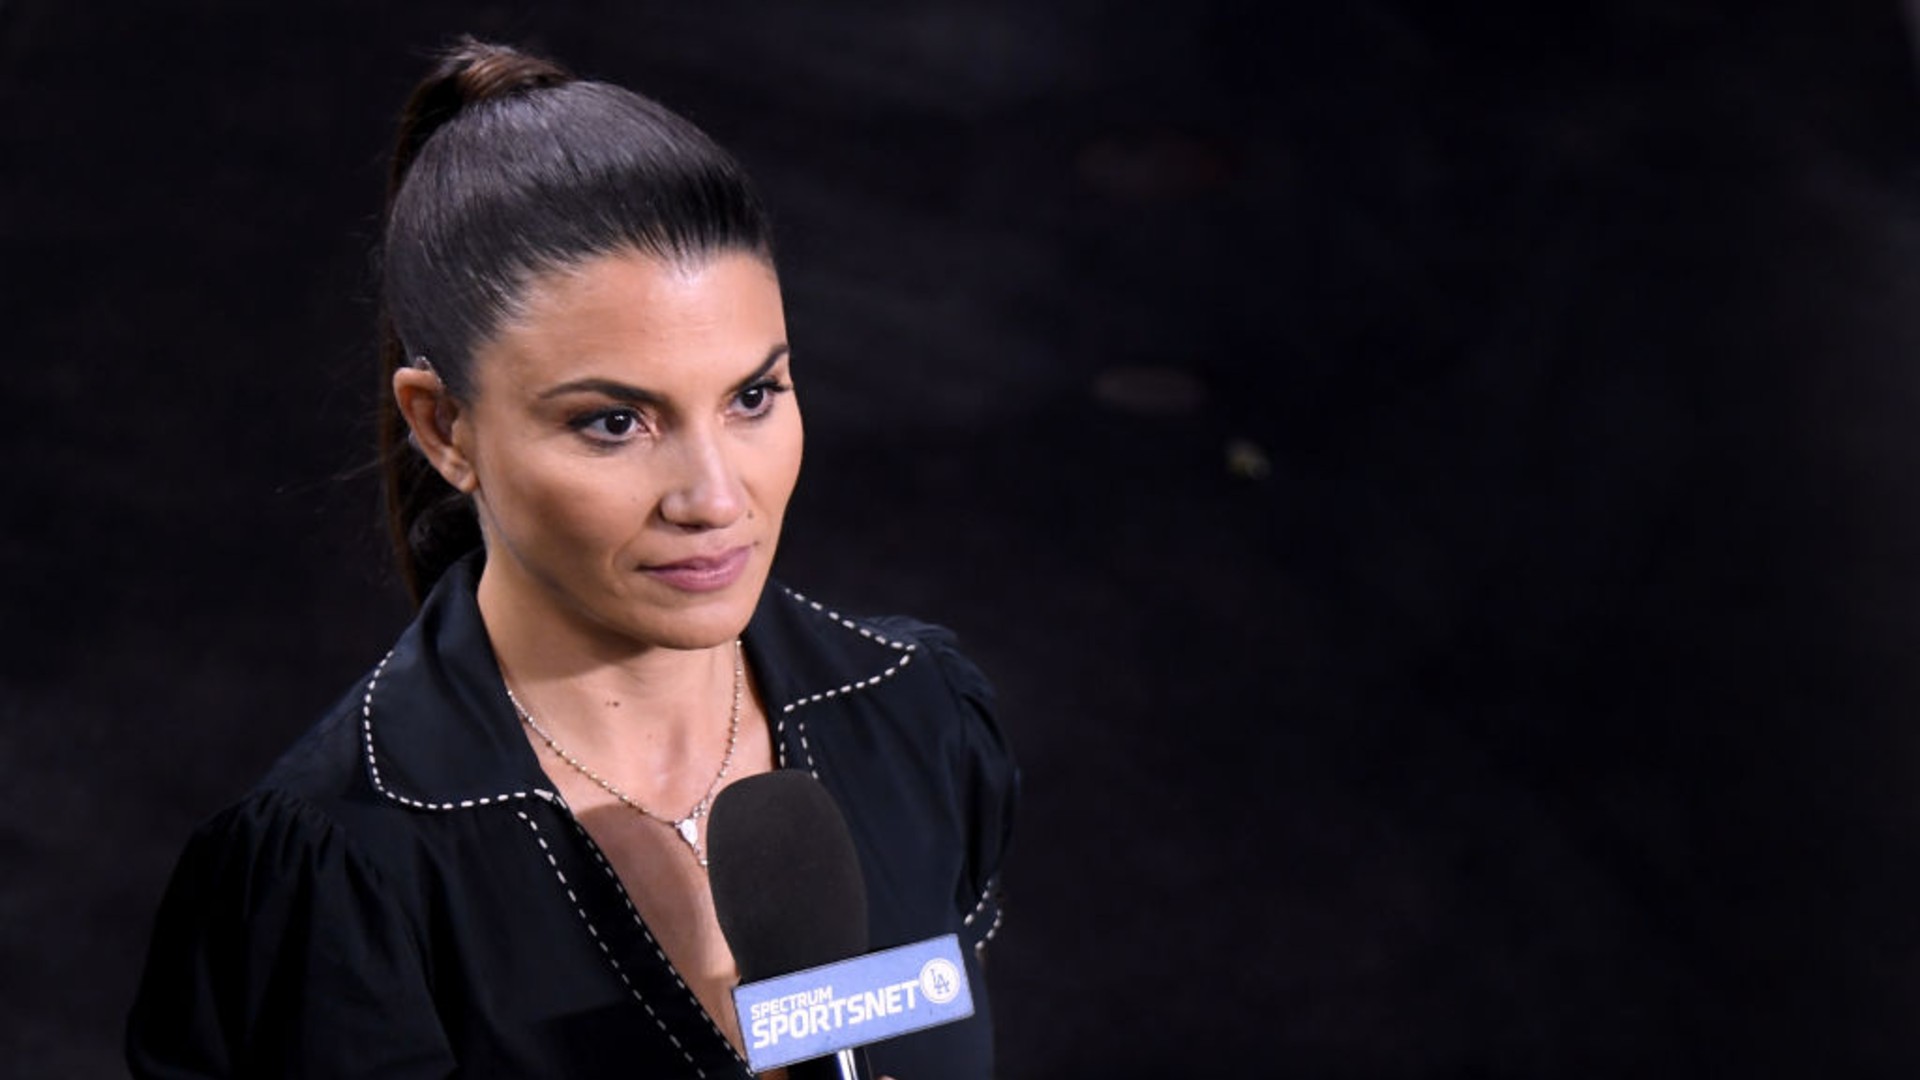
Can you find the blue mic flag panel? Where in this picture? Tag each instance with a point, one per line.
(823, 1010)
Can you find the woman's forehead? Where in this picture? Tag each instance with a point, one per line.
(636, 316)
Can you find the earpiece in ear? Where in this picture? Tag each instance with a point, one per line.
(420, 363)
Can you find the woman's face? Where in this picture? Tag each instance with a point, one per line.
(633, 439)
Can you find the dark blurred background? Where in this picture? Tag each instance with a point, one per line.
(1437, 485)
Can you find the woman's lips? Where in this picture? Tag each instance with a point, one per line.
(705, 574)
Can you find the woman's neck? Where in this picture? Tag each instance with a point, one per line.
(600, 694)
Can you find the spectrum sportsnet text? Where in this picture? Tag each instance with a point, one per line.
(821, 1011)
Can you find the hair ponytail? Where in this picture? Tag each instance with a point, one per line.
(470, 71)
(429, 523)
(507, 168)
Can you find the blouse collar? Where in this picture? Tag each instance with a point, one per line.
(439, 733)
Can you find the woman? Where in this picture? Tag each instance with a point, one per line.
(489, 859)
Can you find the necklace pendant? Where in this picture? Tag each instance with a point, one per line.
(689, 830)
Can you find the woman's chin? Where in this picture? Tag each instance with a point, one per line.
(707, 624)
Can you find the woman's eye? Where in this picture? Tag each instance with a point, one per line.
(614, 425)
(757, 400)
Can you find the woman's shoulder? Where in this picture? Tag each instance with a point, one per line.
(272, 855)
(324, 764)
(302, 832)
(892, 686)
(282, 921)
(815, 652)
(317, 801)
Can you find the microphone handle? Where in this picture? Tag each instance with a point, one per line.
(848, 1064)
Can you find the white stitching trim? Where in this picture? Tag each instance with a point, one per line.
(613, 961)
(620, 888)
(904, 648)
(999, 913)
(980, 947)
(986, 895)
(373, 761)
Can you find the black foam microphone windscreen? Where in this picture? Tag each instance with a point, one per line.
(786, 880)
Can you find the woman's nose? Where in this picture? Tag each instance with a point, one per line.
(705, 491)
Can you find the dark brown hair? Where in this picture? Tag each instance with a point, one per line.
(508, 168)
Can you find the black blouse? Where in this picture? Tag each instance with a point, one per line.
(405, 895)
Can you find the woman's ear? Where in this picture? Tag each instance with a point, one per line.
(438, 424)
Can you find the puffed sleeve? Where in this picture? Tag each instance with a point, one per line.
(280, 951)
(986, 781)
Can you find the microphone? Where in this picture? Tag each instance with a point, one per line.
(787, 892)
(790, 901)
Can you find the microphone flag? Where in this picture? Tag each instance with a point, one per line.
(824, 1010)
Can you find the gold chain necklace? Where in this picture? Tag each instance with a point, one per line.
(687, 827)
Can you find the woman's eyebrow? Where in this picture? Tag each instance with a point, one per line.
(774, 356)
(629, 394)
(618, 391)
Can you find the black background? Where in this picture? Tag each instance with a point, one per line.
(1545, 706)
